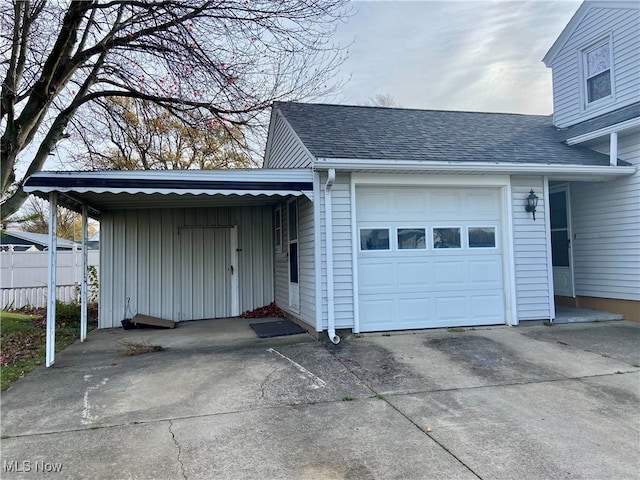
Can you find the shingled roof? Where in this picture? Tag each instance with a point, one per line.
(375, 133)
(620, 115)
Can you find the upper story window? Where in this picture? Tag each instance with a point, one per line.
(597, 72)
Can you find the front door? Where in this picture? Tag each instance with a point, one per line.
(561, 242)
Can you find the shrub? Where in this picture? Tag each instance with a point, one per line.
(67, 312)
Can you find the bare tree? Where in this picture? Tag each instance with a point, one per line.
(140, 135)
(228, 58)
(382, 100)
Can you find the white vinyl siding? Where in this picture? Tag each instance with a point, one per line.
(281, 264)
(530, 251)
(141, 259)
(619, 24)
(306, 264)
(606, 229)
(284, 148)
(342, 259)
(306, 251)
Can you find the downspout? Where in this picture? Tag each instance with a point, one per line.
(328, 230)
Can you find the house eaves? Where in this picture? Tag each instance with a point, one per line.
(554, 171)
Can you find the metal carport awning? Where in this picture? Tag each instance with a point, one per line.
(115, 190)
(91, 193)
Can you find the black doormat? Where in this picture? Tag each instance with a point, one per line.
(279, 328)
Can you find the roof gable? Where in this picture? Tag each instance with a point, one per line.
(575, 21)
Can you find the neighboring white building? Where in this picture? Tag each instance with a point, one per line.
(372, 219)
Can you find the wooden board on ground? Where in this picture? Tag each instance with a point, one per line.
(140, 319)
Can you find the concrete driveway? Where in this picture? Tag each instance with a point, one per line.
(532, 402)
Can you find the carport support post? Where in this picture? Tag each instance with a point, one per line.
(83, 287)
(51, 285)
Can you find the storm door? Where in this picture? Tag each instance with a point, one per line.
(561, 242)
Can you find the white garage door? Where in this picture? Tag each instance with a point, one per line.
(428, 257)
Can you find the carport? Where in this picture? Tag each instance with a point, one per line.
(175, 244)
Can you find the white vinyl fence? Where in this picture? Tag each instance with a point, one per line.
(23, 277)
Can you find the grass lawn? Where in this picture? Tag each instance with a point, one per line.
(23, 339)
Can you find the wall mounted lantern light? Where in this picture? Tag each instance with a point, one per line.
(532, 203)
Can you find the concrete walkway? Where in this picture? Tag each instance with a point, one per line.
(531, 402)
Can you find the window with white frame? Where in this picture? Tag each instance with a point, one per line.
(597, 72)
(277, 229)
(374, 239)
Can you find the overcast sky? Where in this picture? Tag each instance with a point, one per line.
(453, 55)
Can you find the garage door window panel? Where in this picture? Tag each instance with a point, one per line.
(374, 239)
(446, 237)
(482, 237)
(410, 238)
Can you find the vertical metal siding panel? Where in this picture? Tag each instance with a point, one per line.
(208, 280)
(184, 273)
(233, 216)
(106, 317)
(119, 264)
(143, 257)
(155, 262)
(170, 267)
(197, 279)
(530, 251)
(252, 249)
(267, 256)
(623, 23)
(254, 245)
(225, 272)
(131, 261)
(143, 262)
(255, 257)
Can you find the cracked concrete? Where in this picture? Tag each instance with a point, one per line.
(529, 402)
(175, 440)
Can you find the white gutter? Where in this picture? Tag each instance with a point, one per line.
(246, 175)
(382, 165)
(328, 224)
